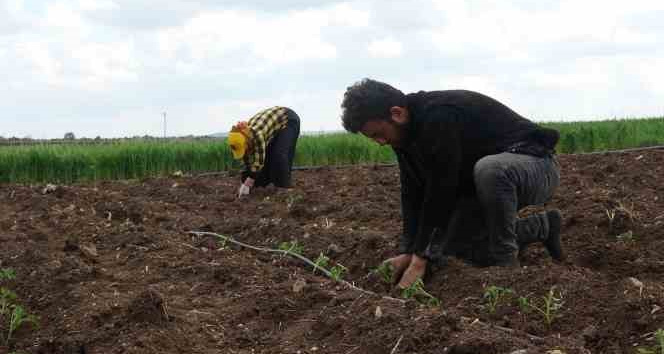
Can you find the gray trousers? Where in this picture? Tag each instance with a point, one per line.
(485, 229)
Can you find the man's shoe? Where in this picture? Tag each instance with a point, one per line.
(552, 243)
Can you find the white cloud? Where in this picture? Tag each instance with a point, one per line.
(346, 15)
(308, 105)
(38, 55)
(63, 15)
(97, 5)
(289, 37)
(77, 65)
(590, 73)
(294, 37)
(500, 28)
(483, 84)
(13, 16)
(102, 64)
(650, 71)
(385, 48)
(626, 35)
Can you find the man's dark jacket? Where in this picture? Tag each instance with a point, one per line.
(448, 132)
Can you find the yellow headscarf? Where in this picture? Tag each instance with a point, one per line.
(237, 140)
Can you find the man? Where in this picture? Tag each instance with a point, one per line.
(266, 144)
(467, 164)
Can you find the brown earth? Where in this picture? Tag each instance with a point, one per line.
(110, 267)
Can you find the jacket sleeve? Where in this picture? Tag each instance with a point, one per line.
(260, 149)
(411, 200)
(440, 142)
(248, 172)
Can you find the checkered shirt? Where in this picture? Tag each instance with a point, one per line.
(264, 126)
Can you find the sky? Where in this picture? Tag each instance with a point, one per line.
(115, 68)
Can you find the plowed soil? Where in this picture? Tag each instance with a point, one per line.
(111, 267)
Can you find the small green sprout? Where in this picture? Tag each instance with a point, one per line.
(7, 274)
(223, 243)
(337, 272)
(11, 313)
(627, 236)
(494, 295)
(291, 247)
(321, 262)
(549, 308)
(524, 304)
(385, 272)
(658, 348)
(7, 297)
(292, 200)
(18, 318)
(416, 291)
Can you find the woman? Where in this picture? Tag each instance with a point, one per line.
(266, 144)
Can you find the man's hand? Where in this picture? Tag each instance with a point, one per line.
(398, 265)
(415, 270)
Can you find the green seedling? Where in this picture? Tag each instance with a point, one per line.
(627, 236)
(18, 318)
(385, 272)
(321, 262)
(292, 247)
(11, 313)
(416, 291)
(524, 304)
(337, 272)
(494, 295)
(549, 308)
(658, 348)
(292, 200)
(7, 274)
(7, 297)
(223, 243)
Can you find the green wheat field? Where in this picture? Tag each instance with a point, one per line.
(136, 158)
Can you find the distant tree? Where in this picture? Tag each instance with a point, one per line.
(70, 136)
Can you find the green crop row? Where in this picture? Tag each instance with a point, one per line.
(578, 137)
(62, 163)
(138, 159)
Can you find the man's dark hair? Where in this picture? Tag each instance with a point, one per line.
(369, 100)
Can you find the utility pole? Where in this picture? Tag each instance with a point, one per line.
(164, 125)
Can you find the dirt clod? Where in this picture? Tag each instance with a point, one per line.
(148, 306)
